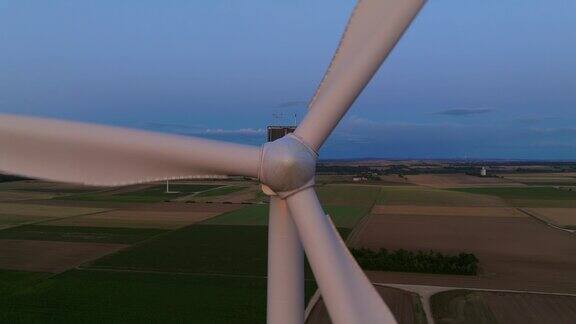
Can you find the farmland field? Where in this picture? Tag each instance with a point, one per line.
(101, 296)
(50, 256)
(342, 216)
(465, 306)
(251, 215)
(135, 219)
(552, 179)
(208, 249)
(539, 193)
(150, 194)
(421, 196)
(221, 249)
(457, 180)
(528, 196)
(45, 211)
(7, 220)
(448, 211)
(12, 281)
(563, 217)
(515, 252)
(12, 214)
(348, 195)
(135, 254)
(220, 191)
(79, 234)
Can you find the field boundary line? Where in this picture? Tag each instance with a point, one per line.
(363, 221)
(546, 222)
(36, 222)
(194, 194)
(445, 288)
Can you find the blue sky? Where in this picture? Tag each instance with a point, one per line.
(477, 79)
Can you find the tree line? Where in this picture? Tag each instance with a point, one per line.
(419, 261)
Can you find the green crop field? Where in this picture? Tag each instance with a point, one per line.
(342, 216)
(89, 296)
(207, 249)
(13, 281)
(79, 234)
(345, 216)
(152, 194)
(101, 296)
(348, 195)
(423, 196)
(221, 249)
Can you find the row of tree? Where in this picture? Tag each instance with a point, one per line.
(420, 261)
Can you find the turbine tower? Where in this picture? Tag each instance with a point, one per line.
(108, 156)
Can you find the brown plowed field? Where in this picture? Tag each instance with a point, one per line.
(83, 203)
(48, 256)
(514, 252)
(448, 211)
(422, 196)
(531, 308)
(465, 306)
(557, 216)
(45, 211)
(459, 180)
(405, 306)
(135, 219)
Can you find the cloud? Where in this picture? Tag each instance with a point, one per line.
(170, 127)
(556, 131)
(367, 137)
(241, 131)
(292, 103)
(199, 130)
(528, 120)
(361, 137)
(252, 136)
(464, 111)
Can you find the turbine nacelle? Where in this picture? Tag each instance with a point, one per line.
(287, 165)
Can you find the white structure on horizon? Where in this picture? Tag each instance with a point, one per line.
(483, 171)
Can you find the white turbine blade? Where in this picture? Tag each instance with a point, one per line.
(348, 294)
(108, 156)
(285, 267)
(372, 31)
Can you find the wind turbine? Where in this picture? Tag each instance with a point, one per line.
(108, 156)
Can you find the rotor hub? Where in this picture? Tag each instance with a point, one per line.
(287, 165)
